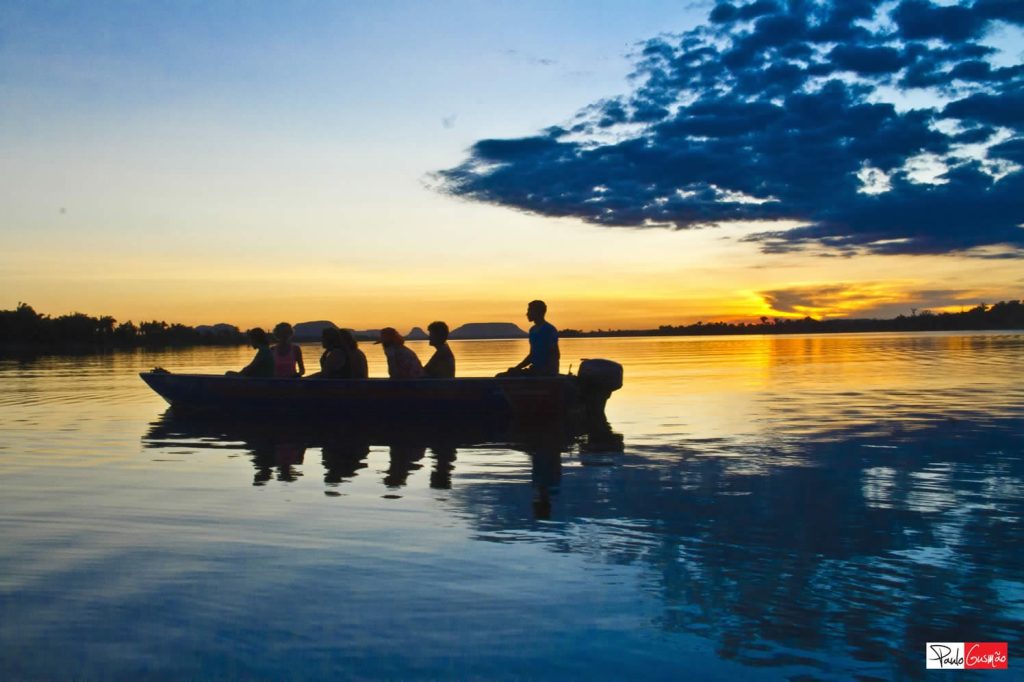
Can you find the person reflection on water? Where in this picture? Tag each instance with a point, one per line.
(543, 359)
(263, 364)
(441, 365)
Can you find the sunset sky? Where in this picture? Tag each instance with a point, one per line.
(391, 163)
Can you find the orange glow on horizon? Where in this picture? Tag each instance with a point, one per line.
(590, 314)
(643, 287)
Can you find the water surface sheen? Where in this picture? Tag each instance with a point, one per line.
(760, 507)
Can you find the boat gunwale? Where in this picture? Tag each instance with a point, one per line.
(318, 380)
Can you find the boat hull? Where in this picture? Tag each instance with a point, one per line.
(514, 396)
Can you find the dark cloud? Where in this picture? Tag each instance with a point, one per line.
(1007, 10)
(922, 20)
(862, 300)
(1013, 150)
(804, 298)
(867, 60)
(777, 112)
(723, 14)
(1002, 109)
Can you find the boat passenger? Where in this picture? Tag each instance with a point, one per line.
(543, 359)
(441, 364)
(357, 368)
(402, 362)
(287, 356)
(262, 364)
(334, 360)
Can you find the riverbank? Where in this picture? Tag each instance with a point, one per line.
(1002, 316)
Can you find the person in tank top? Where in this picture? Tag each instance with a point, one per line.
(287, 356)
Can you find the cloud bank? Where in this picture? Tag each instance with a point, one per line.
(799, 112)
(867, 299)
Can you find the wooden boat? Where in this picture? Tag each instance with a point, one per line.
(521, 397)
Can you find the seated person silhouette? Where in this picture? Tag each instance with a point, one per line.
(441, 364)
(287, 356)
(334, 362)
(357, 368)
(544, 357)
(262, 364)
(402, 362)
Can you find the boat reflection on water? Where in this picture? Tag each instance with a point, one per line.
(846, 552)
(834, 555)
(277, 448)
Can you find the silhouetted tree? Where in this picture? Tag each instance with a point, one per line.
(24, 327)
(126, 332)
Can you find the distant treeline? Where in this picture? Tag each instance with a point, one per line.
(25, 328)
(1002, 315)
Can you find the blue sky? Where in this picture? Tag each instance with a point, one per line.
(319, 68)
(254, 161)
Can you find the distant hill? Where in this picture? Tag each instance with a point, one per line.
(311, 331)
(488, 330)
(366, 334)
(215, 329)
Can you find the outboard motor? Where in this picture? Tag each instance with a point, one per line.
(597, 379)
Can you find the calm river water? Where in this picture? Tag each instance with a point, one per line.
(762, 507)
